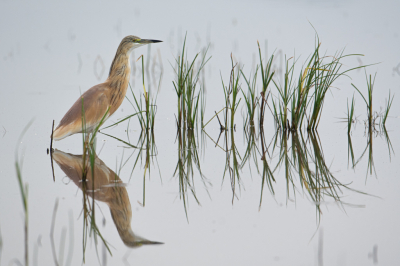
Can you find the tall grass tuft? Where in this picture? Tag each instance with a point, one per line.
(266, 78)
(305, 98)
(231, 93)
(325, 75)
(285, 90)
(250, 99)
(186, 84)
(368, 99)
(305, 83)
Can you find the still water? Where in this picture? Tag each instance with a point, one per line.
(222, 209)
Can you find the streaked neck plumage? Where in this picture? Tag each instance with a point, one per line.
(119, 76)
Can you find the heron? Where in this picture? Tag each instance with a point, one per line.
(104, 99)
(103, 184)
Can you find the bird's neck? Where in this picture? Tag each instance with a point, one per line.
(119, 77)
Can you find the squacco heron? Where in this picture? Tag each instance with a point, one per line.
(102, 97)
(106, 186)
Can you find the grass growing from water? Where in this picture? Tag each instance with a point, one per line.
(285, 94)
(304, 98)
(387, 109)
(24, 194)
(231, 93)
(251, 100)
(186, 87)
(350, 152)
(266, 78)
(350, 115)
(368, 99)
(301, 96)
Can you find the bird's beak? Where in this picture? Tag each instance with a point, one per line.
(148, 242)
(146, 41)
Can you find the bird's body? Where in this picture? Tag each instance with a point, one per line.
(102, 97)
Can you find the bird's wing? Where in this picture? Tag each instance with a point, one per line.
(95, 105)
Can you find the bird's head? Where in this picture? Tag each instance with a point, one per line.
(131, 42)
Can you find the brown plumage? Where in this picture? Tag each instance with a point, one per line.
(107, 187)
(99, 98)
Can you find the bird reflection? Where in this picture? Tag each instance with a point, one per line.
(107, 187)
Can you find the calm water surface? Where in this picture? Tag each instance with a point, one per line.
(50, 53)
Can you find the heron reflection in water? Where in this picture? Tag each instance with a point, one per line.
(107, 187)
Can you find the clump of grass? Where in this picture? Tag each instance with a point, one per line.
(250, 99)
(368, 99)
(387, 109)
(266, 78)
(305, 83)
(186, 83)
(231, 94)
(285, 91)
(325, 75)
(305, 98)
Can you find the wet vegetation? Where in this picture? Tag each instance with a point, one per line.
(187, 87)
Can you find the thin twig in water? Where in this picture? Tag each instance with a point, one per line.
(51, 152)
